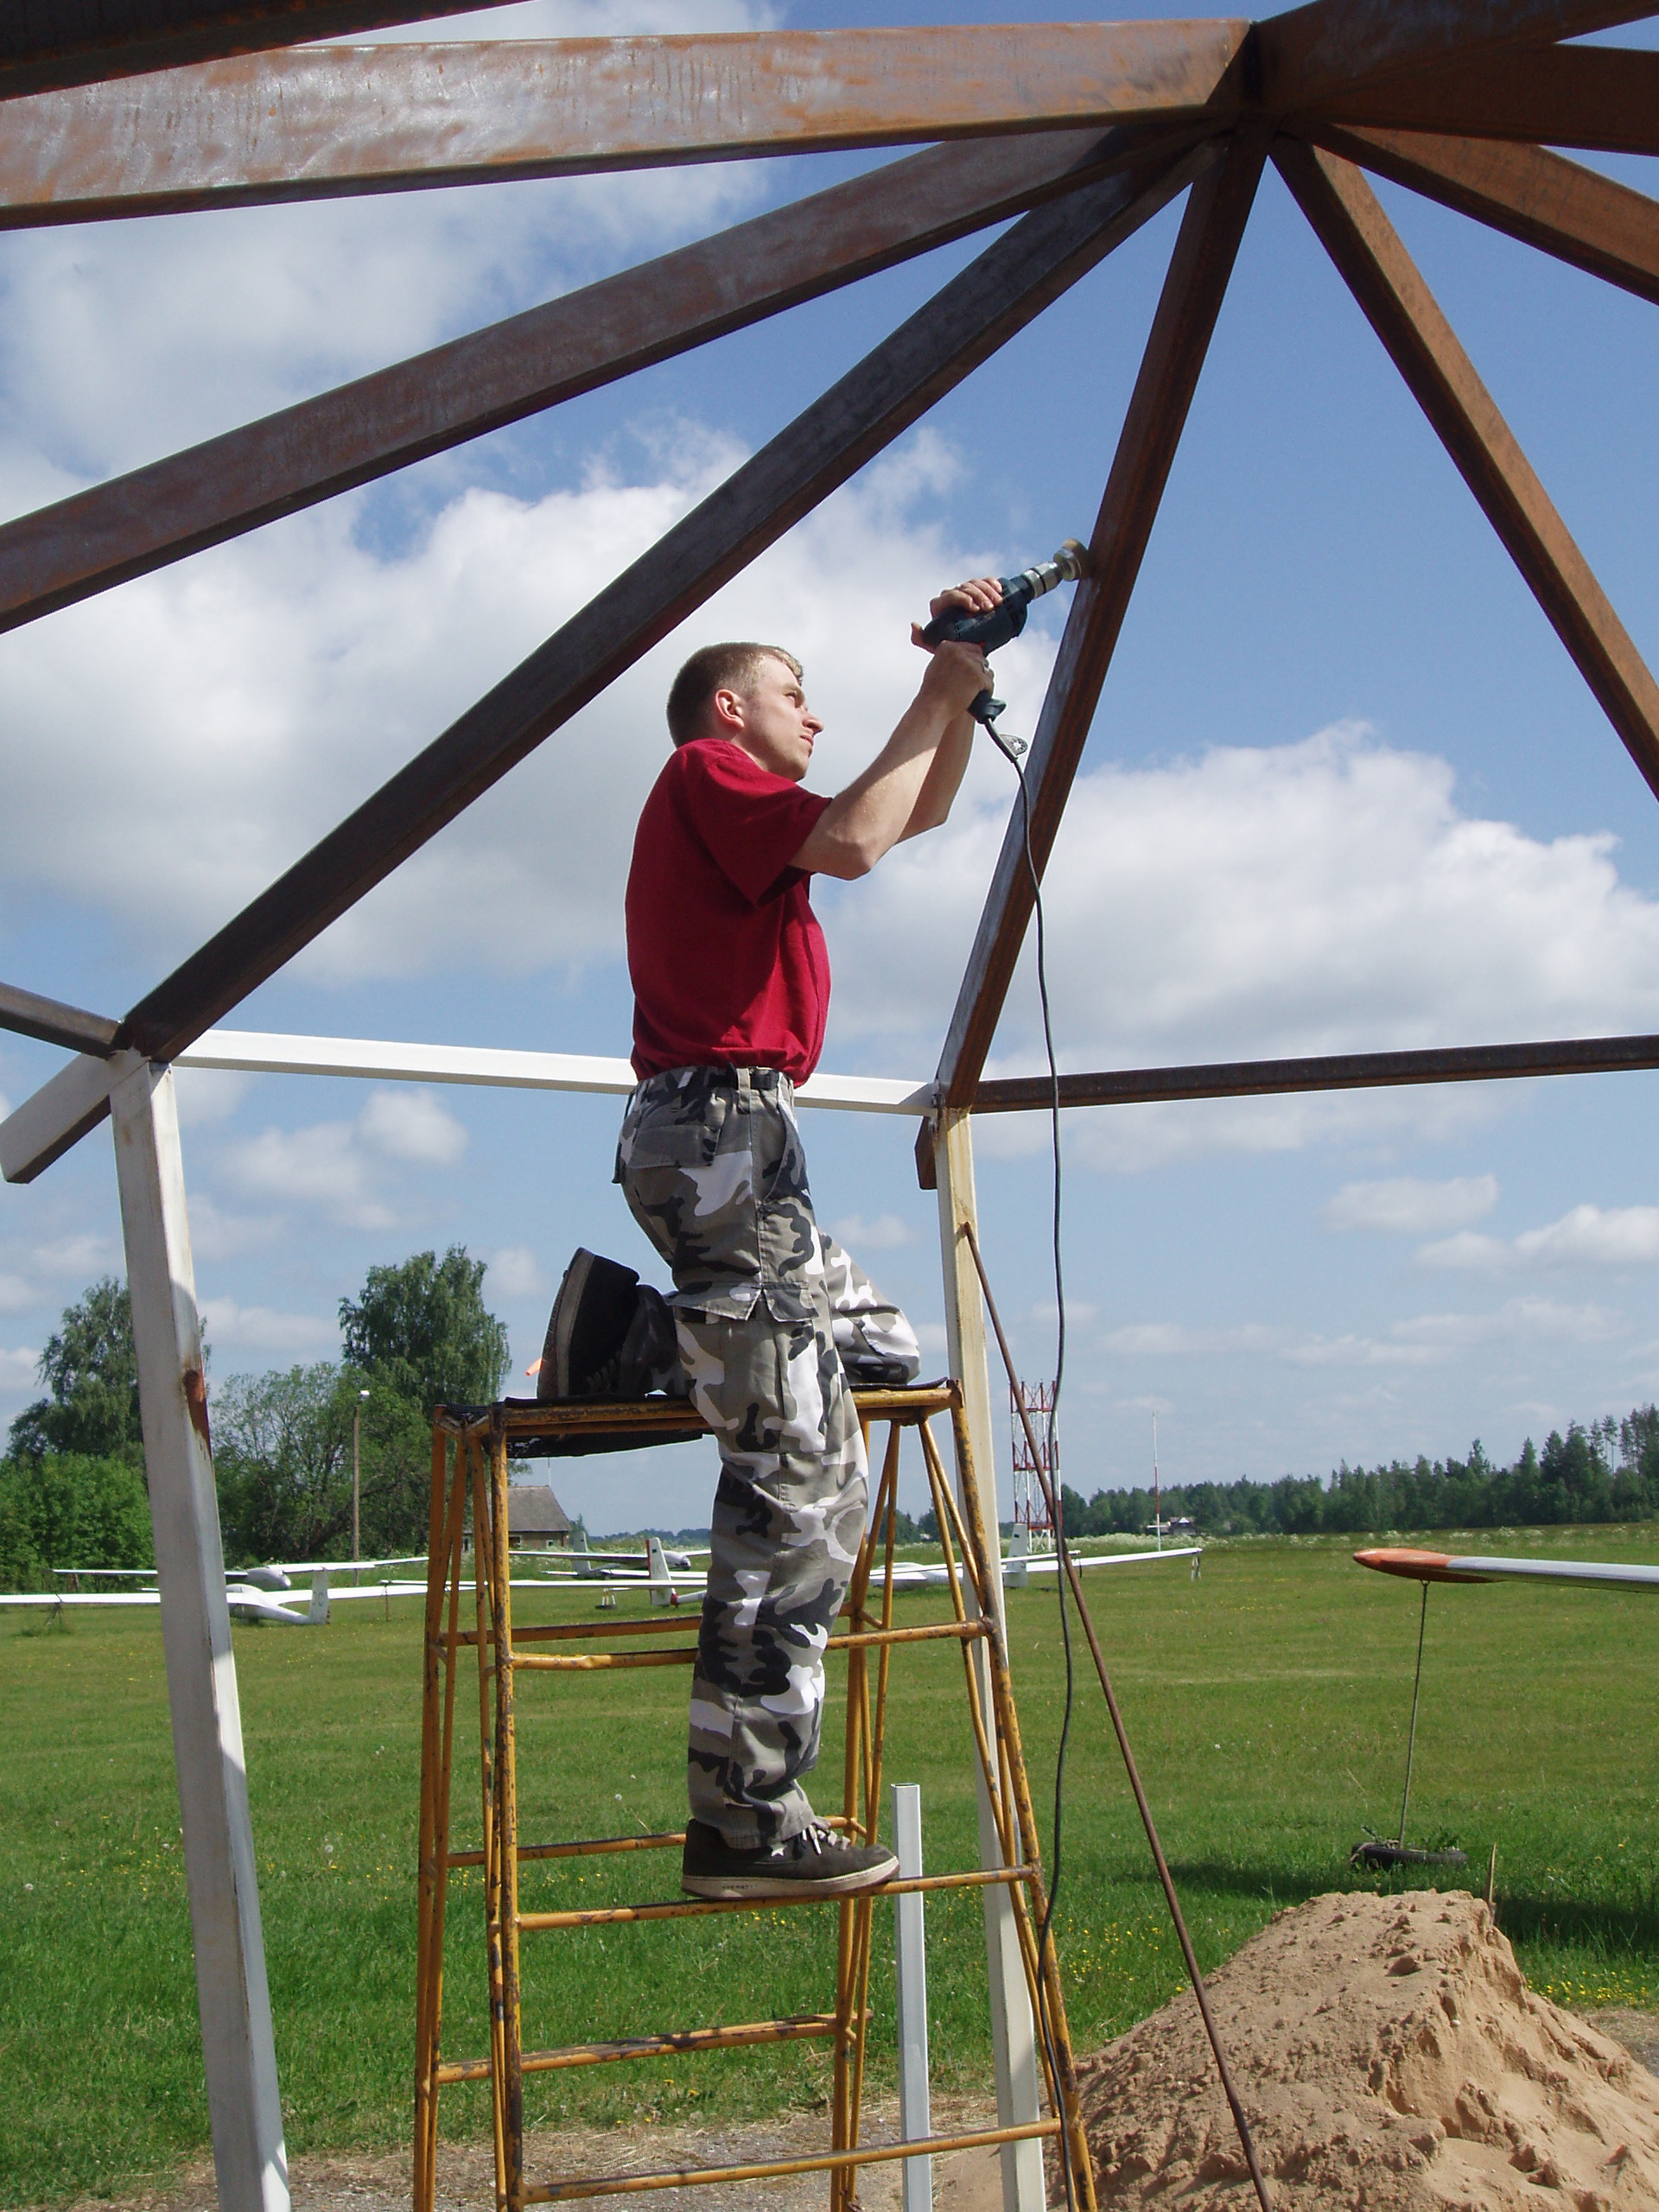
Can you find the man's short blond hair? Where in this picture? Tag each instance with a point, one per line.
(717, 668)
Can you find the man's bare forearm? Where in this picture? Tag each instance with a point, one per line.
(878, 808)
(943, 779)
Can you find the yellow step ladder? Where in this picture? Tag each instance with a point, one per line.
(470, 1457)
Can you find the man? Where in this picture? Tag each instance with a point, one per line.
(731, 991)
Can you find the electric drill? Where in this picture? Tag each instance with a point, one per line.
(959, 626)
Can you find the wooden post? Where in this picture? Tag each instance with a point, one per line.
(249, 2159)
(1013, 2038)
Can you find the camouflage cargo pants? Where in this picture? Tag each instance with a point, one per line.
(770, 1314)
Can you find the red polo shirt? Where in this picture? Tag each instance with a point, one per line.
(729, 963)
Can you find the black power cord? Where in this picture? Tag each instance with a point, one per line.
(1010, 751)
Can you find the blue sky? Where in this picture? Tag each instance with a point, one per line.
(1345, 790)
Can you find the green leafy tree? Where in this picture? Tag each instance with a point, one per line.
(68, 1511)
(423, 1330)
(397, 1480)
(283, 1457)
(90, 1372)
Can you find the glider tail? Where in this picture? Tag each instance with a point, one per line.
(663, 1592)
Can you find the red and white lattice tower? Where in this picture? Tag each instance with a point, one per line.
(1030, 1510)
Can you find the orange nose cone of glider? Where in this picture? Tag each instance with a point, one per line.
(1419, 1566)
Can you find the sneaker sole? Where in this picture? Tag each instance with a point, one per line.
(729, 1888)
(555, 1352)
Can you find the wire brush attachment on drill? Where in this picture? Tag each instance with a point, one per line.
(959, 626)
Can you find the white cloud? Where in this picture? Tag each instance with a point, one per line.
(411, 1124)
(1356, 1350)
(209, 1095)
(123, 341)
(1585, 1236)
(229, 1326)
(14, 1294)
(885, 1234)
(1323, 896)
(1423, 1340)
(515, 1272)
(17, 1371)
(79, 1256)
(1128, 1139)
(1405, 1204)
(339, 1168)
(216, 1234)
(1469, 1249)
(322, 1166)
(282, 678)
(1521, 1320)
(1174, 1340)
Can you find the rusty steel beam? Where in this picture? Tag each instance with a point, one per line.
(1604, 98)
(1543, 199)
(1344, 213)
(316, 122)
(1329, 1071)
(28, 1015)
(1196, 281)
(66, 42)
(364, 429)
(1332, 47)
(996, 296)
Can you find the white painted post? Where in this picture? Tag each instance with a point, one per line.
(910, 1961)
(243, 2105)
(1012, 2039)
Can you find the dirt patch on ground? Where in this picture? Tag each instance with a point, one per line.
(1391, 2059)
(1387, 2051)
(970, 2182)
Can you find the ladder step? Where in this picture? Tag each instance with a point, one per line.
(572, 1631)
(691, 1908)
(559, 2192)
(599, 1846)
(793, 2029)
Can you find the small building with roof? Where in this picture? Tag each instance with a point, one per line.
(535, 1520)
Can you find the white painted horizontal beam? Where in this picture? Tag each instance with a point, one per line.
(258, 1052)
(77, 1098)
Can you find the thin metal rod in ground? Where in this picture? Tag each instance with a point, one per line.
(1121, 1733)
(1411, 1740)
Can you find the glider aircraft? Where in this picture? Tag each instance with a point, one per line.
(1444, 1567)
(247, 1600)
(253, 1593)
(1020, 1563)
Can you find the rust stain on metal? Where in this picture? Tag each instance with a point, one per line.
(313, 121)
(195, 1397)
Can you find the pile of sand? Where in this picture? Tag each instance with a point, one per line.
(1390, 2058)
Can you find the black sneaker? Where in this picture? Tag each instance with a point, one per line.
(816, 1862)
(591, 1314)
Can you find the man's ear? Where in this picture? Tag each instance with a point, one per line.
(725, 710)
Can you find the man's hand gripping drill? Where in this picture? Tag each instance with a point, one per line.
(989, 610)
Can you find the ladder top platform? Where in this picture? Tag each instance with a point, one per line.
(576, 1423)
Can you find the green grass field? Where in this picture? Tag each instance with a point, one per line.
(1267, 1703)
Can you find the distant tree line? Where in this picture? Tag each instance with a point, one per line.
(73, 1487)
(1608, 1471)
(72, 1490)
